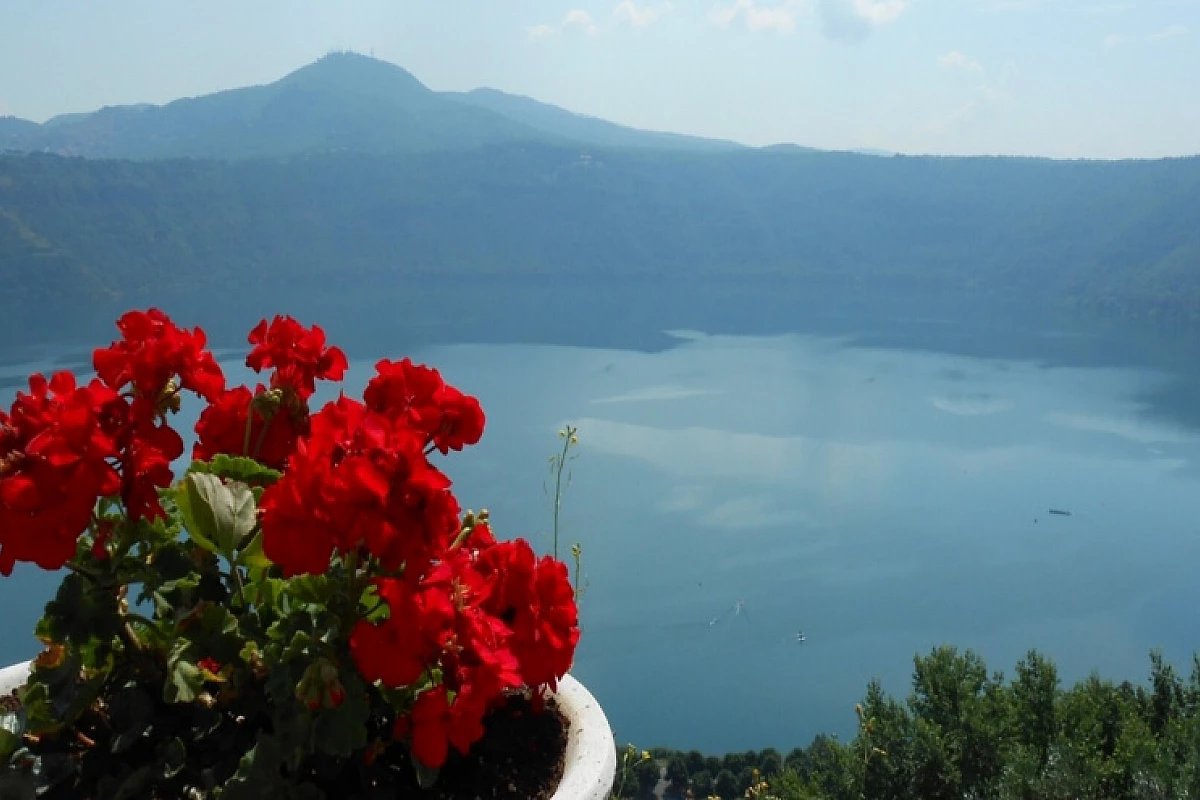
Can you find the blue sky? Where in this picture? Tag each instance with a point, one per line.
(1062, 78)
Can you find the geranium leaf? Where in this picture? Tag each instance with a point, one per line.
(237, 468)
(222, 513)
(18, 781)
(252, 555)
(131, 713)
(342, 731)
(258, 772)
(172, 757)
(426, 776)
(136, 784)
(185, 680)
(195, 525)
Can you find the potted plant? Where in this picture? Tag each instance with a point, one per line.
(306, 612)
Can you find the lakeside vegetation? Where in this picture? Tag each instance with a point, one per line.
(963, 732)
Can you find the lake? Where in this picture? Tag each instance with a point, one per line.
(880, 496)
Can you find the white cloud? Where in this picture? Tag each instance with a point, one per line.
(957, 60)
(638, 16)
(1109, 9)
(1169, 32)
(853, 20)
(757, 17)
(984, 96)
(578, 18)
(1013, 5)
(1118, 39)
(879, 12)
(542, 31)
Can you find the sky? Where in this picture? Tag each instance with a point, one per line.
(1059, 78)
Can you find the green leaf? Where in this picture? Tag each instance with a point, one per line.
(172, 757)
(131, 714)
(237, 468)
(426, 776)
(54, 697)
(195, 526)
(136, 784)
(53, 769)
(221, 513)
(259, 772)
(185, 680)
(18, 781)
(81, 615)
(342, 731)
(252, 554)
(311, 588)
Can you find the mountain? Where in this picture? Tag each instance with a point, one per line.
(559, 122)
(15, 132)
(342, 102)
(1115, 238)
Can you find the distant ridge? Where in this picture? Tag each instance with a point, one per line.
(341, 102)
(557, 121)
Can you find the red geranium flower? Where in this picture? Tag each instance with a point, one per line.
(53, 466)
(435, 723)
(298, 354)
(537, 602)
(398, 650)
(152, 351)
(357, 479)
(419, 397)
(221, 429)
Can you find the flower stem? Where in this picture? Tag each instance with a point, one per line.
(262, 435)
(241, 584)
(249, 423)
(568, 435)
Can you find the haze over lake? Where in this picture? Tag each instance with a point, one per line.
(733, 491)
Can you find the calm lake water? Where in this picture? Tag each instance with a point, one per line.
(730, 492)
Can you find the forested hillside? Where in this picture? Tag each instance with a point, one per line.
(1116, 238)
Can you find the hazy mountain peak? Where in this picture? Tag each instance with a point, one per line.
(351, 72)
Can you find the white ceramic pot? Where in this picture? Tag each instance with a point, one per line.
(591, 758)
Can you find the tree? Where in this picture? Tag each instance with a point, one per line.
(885, 745)
(695, 761)
(677, 774)
(961, 710)
(703, 784)
(1034, 720)
(647, 774)
(798, 761)
(745, 779)
(726, 785)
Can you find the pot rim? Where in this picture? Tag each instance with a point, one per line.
(591, 756)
